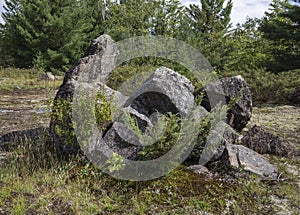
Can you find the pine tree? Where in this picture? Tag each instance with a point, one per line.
(209, 25)
(49, 34)
(247, 48)
(168, 18)
(11, 39)
(129, 18)
(281, 26)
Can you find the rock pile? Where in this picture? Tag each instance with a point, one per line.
(162, 92)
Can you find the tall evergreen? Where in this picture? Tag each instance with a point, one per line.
(48, 34)
(282, 27)
(247, 49)
(129, 18)
(168, 18)
(209, 23)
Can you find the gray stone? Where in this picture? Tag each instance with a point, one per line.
(216, 140)
(93, 69)
(201, 170)
(210, 148)
(262, 142)
(112, 95)
(233, 87)
(239, 156)
(96, 66)
(47, 77)
(143, 122)
(122, 140)
(164, 91)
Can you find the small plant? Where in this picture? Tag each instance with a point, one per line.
(103, 111)
(115, 163)
(64, 124)
(165, 143)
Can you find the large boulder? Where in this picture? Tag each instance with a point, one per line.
(230, 88)
(94, 68)
(238, 156)
(164, 91)
(261, 141)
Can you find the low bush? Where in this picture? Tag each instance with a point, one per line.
(267, 87)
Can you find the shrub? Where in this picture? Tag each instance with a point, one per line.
(267, 87)
(62, 125)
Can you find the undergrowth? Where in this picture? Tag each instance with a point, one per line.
(36, 181)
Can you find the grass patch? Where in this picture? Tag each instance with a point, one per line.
(12, 79)
(36, 181)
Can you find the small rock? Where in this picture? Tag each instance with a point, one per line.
(261, 141)
(199, 169)
(293, 170)
(48, 76)
(239, 156)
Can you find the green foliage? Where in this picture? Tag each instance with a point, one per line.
(269, 87)
(115, 162)
(12, 79)
(281, 26)
(77, 187)
(130, 18)
(168, 18)
(209, 24)
(62, 116)
(126, 71)
(246, 47)
(103, 111)
(51, 35)
(140, 69)
(165, 143)
(64, 126)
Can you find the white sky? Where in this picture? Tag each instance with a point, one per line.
(241, 9)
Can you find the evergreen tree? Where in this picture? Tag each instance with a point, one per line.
(129, 18)
(282, 27)
(10, 37)
(209, 23)
(247, 48)
(49, 34)
(168, 18)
